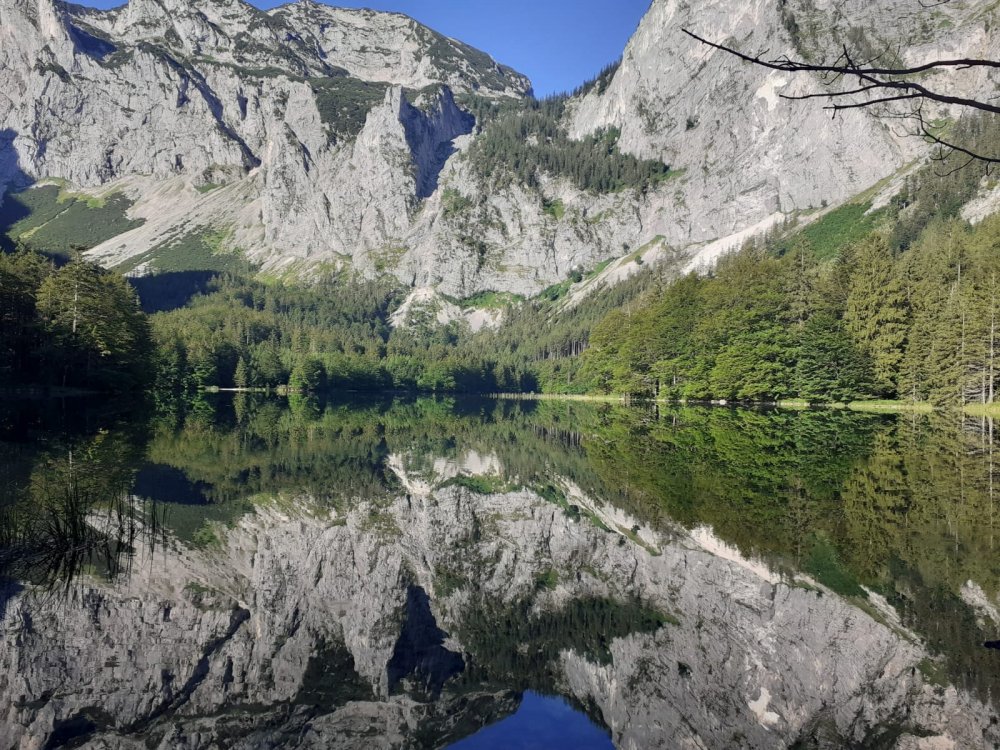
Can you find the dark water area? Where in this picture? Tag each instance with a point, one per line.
(243, 572)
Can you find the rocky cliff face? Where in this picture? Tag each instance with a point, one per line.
(747, 154)
(218, 93)
(751, 157)
(310, 136)
(305, 627)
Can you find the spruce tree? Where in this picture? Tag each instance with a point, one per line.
(877, 313)
(241, 377)
(95, 333)
(830, 367)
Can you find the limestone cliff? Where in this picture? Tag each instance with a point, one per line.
(751, 157)
(311, 137)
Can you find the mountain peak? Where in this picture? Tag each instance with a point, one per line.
(306, 39)
(393, 48)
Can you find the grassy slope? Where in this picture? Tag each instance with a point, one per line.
(56, 222)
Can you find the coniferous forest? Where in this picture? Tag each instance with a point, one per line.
(77, 326)
(520, 142)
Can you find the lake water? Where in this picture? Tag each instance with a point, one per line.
(251, 573)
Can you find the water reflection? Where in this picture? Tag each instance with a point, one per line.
(541, 722)
(67, 505)
(318, 575)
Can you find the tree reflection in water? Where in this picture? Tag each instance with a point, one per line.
(68, 508)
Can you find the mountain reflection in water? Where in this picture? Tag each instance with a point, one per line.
(414, 574)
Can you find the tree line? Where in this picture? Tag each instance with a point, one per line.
(887, 317)
(906, 309)
(920, 325)
(331, 335)
(75, 326)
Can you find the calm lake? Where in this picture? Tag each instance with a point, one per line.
(251, 573)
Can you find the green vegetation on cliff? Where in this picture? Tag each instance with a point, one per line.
(46, 219)
(521, 143)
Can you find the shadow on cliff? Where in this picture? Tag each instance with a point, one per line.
(431, 147)
(427, 183)
(12, 178)
(420, 662)
(162, 292)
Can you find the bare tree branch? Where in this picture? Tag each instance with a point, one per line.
(849, 66)
(947, 147)
(872, 102)
(873, 78)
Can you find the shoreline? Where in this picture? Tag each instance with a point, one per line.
(864, 407)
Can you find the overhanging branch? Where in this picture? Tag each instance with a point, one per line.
(895, 83)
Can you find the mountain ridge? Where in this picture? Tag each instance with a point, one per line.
(306, 153)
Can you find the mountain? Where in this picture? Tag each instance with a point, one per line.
(297, 116)
(310, 137)
(751, 158)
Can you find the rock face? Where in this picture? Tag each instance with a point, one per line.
(307, 628)
(747, 153)
(299, 114)
(751, 157)
(310, 136)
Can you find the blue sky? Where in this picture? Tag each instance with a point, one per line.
(559, 44)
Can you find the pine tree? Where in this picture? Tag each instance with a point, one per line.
(601, 358)
(96, 334)
(937, 270)
(308, 376)
(241, 377)
(672, 339)
(21, 273)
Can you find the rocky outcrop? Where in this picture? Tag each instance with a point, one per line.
(355, 201)
(307, 39)
(747, 152)
(58, 88)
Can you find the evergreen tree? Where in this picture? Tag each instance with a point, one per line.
(241, 377)
(21, 273)
(308, 376)
(674, 320)
(95, 333)
(601, 362)
(877, 314)
(830, 367)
